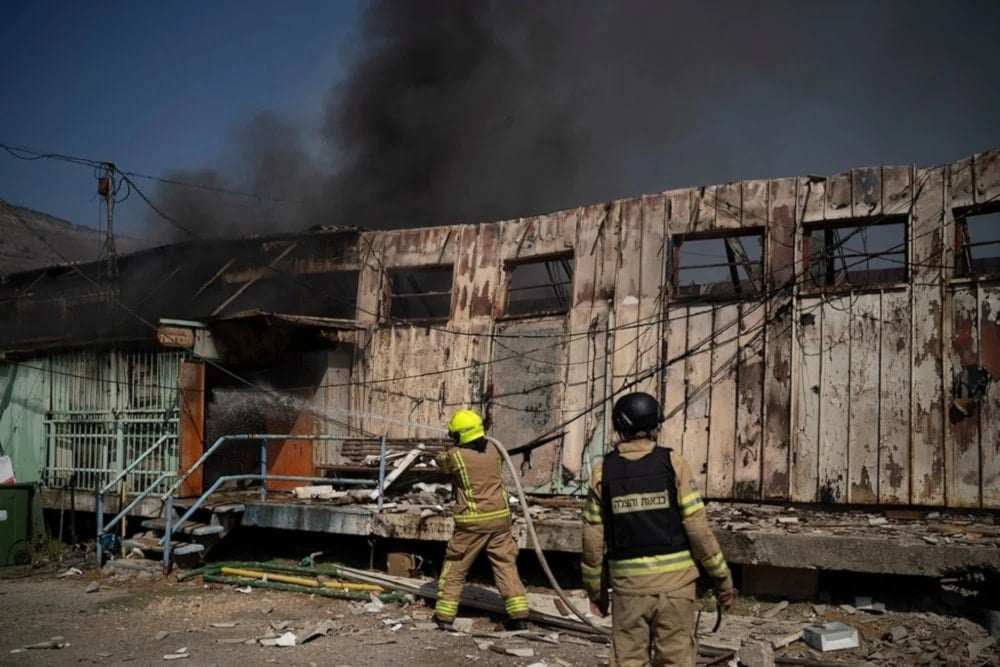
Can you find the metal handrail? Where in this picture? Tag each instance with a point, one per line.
(170, 523)
(218, 443)
(104, 527)
(142, 457)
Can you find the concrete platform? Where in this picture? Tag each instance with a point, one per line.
(898, 547)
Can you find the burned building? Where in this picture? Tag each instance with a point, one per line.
(812, 340)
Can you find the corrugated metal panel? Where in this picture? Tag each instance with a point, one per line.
(24, 398)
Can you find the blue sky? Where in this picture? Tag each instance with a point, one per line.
(153, 86)
(676, 94)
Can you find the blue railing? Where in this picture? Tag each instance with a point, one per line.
(262, 477)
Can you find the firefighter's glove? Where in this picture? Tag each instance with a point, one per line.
(725, 594)
(599, 608)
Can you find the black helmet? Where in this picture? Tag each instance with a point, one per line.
(636, 412)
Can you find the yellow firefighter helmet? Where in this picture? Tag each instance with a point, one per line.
(465, 427)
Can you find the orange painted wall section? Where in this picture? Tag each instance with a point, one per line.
(192, 427)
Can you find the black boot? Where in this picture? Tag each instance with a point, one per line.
(448, 626)
(516, 624)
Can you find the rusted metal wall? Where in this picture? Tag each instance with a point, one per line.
(801, 394)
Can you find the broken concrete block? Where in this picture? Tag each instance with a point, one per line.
(975, 648)
(162, 634)
(463, 625)
(755, 654)
(896, 634)
(831, 636)
(775, 610)
(93, 587)
(520, 651)
(286, 639)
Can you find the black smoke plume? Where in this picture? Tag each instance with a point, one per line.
(470, 110)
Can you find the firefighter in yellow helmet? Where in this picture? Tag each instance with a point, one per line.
(643, 513)
(482, 521)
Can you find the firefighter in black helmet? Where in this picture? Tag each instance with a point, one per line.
(643, 512)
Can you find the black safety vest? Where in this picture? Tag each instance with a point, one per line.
(641, 516)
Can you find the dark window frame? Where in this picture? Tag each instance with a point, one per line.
(561, 290)
(966, 266)
(835, 273)
(750, 285)
(394, 297)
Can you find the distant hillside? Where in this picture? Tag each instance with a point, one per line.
(22, 249)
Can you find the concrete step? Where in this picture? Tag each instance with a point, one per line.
(192, 528)
(150, 545)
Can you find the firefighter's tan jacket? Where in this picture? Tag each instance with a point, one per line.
(482, 504)
(664, 573)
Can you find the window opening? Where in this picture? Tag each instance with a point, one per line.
(540, 286)
(723, 267)
(977, 243)
(857, 254)
(420, 293)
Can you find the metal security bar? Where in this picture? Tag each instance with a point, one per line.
(108, 409)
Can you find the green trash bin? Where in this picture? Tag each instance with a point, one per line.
(15, 523)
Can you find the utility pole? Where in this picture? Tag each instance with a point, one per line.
(106, 189)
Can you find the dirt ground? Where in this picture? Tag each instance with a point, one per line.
(143, 621)
(152, 620)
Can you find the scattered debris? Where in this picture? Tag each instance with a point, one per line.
(243, 589)
(224, 624)
(754, 653)
(896, 634)
(775, 610)
(71, 572)
(179, 654)
(161, 635)
(321, 630)
(832, 636)
(93, 587)
(54, 642)
(975, 648)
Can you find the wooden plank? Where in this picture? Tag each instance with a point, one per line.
(191, 387)
(580, 350)
(894, 399)
(681, 216)
(675, 383)
(812, 193)
(698, 370)
(749, 403)
(705, 209)
(652, 269)
(627, 215)
(730, 206)
(808, 388)
(963, 483)
(866, 192)
(838, 197)
(866, 327)
(987, 171)
(780, 268)
(989, 419)
(928, 455)
(722, 417)
(835, 391)
(754, 203)
(961, 180)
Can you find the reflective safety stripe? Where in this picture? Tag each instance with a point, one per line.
(444, 574)
(716, 566)
(463, 474)
(690, 504)
(645, 565)
(470, 517)
(590, 575)
(592, 512)
(446, 609)
(515, 604)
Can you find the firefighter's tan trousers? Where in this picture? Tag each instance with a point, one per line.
(661, 626)
(462, 551)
